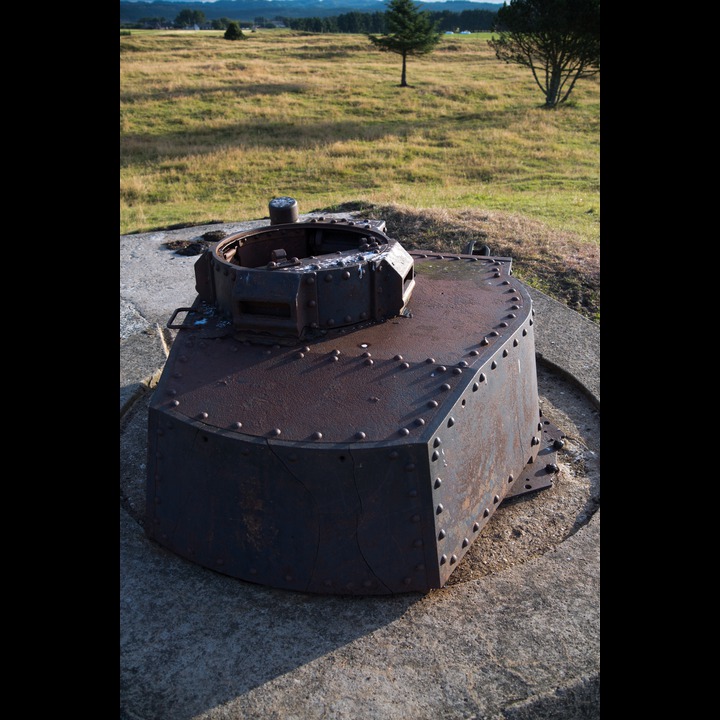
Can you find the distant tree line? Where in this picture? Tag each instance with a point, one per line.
(363, 23)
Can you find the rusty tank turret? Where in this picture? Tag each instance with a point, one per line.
(340, 415)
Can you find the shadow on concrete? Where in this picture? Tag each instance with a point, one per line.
(193, 640)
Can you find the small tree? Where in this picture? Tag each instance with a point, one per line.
(188, 18)
(233, 31)
(559, 40)
(410, 32)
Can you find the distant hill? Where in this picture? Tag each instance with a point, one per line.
(248, 10)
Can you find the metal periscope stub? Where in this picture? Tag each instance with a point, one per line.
(357, 457)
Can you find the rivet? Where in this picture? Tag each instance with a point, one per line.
(409, 467)
(346, 275)
(457, 371)
(484, 341)
(366, 354)
(405, 365)
(516, 342)
(505, 353)
(474, 353)
(363, 315)
(482, 377)
(403, 432)
(510, 478)
(511, 315)
(175, 403)
(494, 333)
(398, 357)
(417, 543)
(524, 332)
(493, 365)
(486, 512)
(430, 360)
(394, 455)
(465, 542)
(412, 493)
(528, 486)
(437, 442)
(515, 298)
(336, 352)
(299, 355)
(305, 349)
(172, 392)
(369, 361)
(435, 456)
(419, 421)
(276, 432)
(331, 322)
(348, 318)
(415, 518)
(360, 435)
(441, 535)
(514, 307)
(505, 282)
(462, 364)
(432, 403)
(552, 468)
(497, 275)
(441, 368)
(317, 435)
(503, 324)
(453, 559)
(476, 527)
(328, 278)
(334, 358)
(531, 321)
(203, 416)
(558, 444)
(443, 559)
(535, 441)
(439, 509)
(475, 387)
(407, 580)
(445, 387)
(438, 482)
(237, 425)
(496, 499)
(451, 421)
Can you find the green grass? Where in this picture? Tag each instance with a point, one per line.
(213, 129)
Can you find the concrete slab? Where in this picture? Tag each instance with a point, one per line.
(518, 644)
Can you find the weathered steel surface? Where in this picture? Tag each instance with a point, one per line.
(361, 459)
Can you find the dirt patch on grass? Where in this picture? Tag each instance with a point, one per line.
(557, 263)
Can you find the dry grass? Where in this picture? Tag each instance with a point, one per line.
(212, 129)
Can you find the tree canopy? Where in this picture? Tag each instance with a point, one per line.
(410, 32)
(559, 40)
(188, 18)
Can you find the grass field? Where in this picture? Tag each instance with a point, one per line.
(213, 129)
